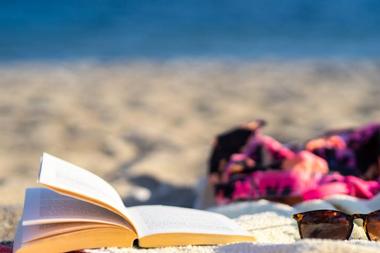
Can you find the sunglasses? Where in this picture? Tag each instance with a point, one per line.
(330, 224)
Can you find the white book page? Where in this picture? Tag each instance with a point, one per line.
(156, 219)
(44, 206)
(30, 233)
(70, 179)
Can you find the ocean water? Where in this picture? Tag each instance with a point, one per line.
(166, 29)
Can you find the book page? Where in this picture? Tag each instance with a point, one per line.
(155, 219)
(30, 233)
(78, 240)
(69, 179)
(44, 206)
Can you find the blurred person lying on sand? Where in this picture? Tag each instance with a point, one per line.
(246, 165)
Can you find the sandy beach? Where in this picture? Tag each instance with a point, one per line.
(147, 127)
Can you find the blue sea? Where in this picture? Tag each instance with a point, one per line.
(107, 30)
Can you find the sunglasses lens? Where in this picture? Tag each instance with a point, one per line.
(373, 226)
(325, 225)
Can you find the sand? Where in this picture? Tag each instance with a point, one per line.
(146, 127)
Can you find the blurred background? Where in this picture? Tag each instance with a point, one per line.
(135, 91)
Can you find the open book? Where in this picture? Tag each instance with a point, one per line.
(80, 210)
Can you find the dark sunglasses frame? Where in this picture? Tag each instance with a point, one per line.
(299, 216)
